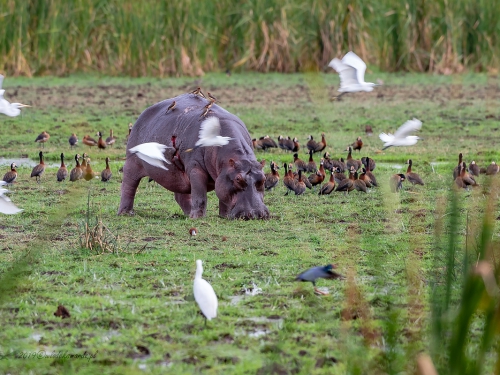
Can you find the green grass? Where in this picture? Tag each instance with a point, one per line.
(188, 38)
(393, 248)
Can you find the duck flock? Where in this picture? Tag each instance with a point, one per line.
(299, 175)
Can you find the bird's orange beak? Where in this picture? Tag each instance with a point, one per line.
(23, 105)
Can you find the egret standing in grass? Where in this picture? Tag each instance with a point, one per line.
(6, 205)
(351, 70)
(210, 134)
(9, 109)
(152, 153)
(402, 136)
(204, 294)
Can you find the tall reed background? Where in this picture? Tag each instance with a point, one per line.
(189, 37)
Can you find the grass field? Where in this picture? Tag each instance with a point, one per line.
(134, 307)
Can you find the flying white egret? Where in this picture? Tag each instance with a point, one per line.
(351, 70)
(402, 136)
(9, 109)
(6, 205)
(210, 134)
(152, 153)
(204, 294)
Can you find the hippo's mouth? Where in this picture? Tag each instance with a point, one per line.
(245, 214)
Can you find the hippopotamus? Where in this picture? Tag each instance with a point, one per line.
(232, 170)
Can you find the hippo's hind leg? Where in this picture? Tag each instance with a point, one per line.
(184, 200)
(199, 181)
(132, 175)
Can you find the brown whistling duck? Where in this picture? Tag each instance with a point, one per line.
(11, 175)
(299, 163)
(327, 162)
(368, 130)
(311, 144)
(322, 167)
(466, 177)
(288, 180)
(368, 163)
(42, 138)
(73, 140)
(89, 173)
(84, 161)
(77, 172)
(257, 144)
(396, 182)
(459, 182)
(89, 141)
(371, 176)
(62, 173)
(347, 185)
(328, 187)
(282, 142)
(288, 144)
(359, 185)
(357, 145)
(100, 143)
(300, 186)
(296, 146)
(363, 177)
(350, 162)
(311, 165)
(111, 139)
(106, 173)
(38, 169)
(269, 142)
(456, 171)
(474, 168)
(316, 178)
(321, 145)
(339, 176)
(272, 178)
(492, 169)
(413, 177)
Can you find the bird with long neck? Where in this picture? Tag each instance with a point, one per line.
(77, 172)
(62, 173)
(38, 169)
(11, 175)
(204, 294)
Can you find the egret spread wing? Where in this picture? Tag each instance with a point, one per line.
(210, 128)
(386, 137)
(6, 205)
(359, 65)
(152, 153)
(407, 128)
(347, 73)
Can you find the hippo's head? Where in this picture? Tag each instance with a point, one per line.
(240, 189)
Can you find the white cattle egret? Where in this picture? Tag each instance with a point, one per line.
(204, 294)
(9, 109)
(6, 205)
(351, 70)
(402, 136)
(152, 153)
(210, 134)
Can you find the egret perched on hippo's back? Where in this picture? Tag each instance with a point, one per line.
(231, 170)
(9, 109)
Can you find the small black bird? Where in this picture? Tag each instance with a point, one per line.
(314, 273)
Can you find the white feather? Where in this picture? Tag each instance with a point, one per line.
(6, 205)
(210, 134)
(11, 110)
(204, 294)
(351, 70)
(402, 136)
(152, 153)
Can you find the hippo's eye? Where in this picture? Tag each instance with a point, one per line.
(259, 184)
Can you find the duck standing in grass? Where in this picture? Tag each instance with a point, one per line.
(89, 173)
(347, 185)
(62, 173)
(314, 273)
(100, 142)
(413, 177)
(11, 175)
(396, 182)
(329, 186)
(204, 294)
(106, 173)
(38, 169)
(272, 178)
(111, 139)
(89, 141)
(288, 180)
(474, 169)
(458, 168)
(73, 140)
(350, 162)
(492, 169)
(311, 165)
(42, 138)
(77, 172)
(357, 145)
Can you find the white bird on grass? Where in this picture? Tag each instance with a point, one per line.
(152, 153)
(402, 136)
(9, 109)
(6, 205)
(204, 294)
(351, 70)
(210, 134)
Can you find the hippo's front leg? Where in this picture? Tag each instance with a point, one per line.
(199, 181)
(184, 200)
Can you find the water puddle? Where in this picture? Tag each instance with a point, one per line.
(260, 326)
